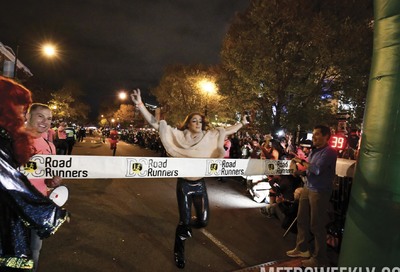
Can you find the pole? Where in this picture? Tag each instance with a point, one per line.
(297, 140)
(15, 62)
(291, 225)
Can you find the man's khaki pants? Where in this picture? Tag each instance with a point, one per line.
(312, 217)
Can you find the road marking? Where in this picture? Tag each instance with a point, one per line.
(226, 250)
(92, 141)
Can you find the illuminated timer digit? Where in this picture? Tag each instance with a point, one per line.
(338, 142)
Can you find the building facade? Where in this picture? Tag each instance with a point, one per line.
(7, 64)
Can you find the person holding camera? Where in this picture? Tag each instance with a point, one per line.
(191, 140)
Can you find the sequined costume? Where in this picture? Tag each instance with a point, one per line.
(22, 208)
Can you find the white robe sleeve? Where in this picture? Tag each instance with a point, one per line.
(210, 146)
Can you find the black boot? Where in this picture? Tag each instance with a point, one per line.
(179, 252)
(182, 233)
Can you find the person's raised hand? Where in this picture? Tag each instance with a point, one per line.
(246, 119)
(136, 97)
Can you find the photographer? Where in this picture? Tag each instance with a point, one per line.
(282, 193)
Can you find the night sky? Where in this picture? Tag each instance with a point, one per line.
(110, 45)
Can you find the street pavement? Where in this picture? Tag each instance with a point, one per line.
(129, 225)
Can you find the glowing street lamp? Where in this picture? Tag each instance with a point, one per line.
(49, 50)
(122, 95)
(209, 87)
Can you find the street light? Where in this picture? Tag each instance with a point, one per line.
(49, 50)
(122, 95)
(112, 123)
(209, 87)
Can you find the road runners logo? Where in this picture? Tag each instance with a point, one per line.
(278, 167)
(136, 167)
(50, 166)
(214, 167)
(150, 168)
(30, 167)
(223, 168)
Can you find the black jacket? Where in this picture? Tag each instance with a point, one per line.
(22, 208)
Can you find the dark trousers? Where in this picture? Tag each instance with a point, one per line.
(61, 146)
(194, 193)
(71, 143)
(189, 193)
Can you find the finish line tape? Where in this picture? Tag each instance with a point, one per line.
(99, 167)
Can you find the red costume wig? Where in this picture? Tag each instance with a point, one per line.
(13, 95)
